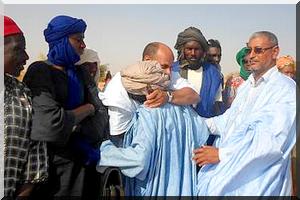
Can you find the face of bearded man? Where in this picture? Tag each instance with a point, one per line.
(193, 53)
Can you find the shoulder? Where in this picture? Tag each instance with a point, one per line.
(282, 81)
(37, 68)
(38, 75)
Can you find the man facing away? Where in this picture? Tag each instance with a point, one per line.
(256, 134)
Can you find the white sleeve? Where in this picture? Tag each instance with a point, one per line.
(177, 82)
(119, 120)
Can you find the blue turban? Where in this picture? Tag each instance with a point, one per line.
(62, 53)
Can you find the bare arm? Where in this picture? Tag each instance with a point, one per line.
(183, 96)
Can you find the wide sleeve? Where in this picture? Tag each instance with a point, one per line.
(51, 122)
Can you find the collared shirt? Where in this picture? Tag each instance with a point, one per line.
(25, 160)
(239, 116)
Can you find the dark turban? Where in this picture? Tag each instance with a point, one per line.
(191, 34)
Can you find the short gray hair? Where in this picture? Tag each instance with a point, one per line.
(271, 36)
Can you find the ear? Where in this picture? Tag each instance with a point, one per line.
(276, 52)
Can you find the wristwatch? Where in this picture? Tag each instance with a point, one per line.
(170, 96)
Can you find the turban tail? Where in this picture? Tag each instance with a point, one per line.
(240, 60)
(62, 53)
(191, 34)
(10, 27)
(136, 78)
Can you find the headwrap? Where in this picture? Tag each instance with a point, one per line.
(91, 56)
(10, 27)
(285, 61)
(62, 53)
(191, 34)
(240, 60)
(136, 78)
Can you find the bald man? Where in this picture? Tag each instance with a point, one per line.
(121, 107)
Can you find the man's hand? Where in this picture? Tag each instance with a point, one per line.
(156, 98)
(206, 155)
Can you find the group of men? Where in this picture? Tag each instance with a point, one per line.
(162, 115)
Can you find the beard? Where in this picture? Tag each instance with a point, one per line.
(192, 64)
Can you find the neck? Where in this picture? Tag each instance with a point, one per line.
(258, 74)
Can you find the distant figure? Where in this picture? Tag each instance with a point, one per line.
(214, 53)
(107, 77)
(287, 65)
(91, 61)
(234, 80)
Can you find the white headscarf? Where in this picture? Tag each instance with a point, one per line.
(90, 55)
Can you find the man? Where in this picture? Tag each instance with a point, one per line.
(214, 52)
(62, 104)
(155, 155)
(256, 133)
(121, 108)
(25, 161)
(91, 61)
(205, 77)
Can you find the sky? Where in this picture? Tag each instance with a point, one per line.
(119, 32)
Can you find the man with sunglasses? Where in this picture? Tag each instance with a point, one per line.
(256, 134)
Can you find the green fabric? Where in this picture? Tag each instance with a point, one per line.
(239, 58)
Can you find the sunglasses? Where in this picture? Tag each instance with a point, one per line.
(259, 50)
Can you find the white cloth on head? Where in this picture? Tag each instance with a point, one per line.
(90, 55)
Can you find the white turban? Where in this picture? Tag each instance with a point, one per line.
(91, 56)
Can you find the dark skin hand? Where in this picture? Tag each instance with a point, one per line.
(156, 98)
(206, 155)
